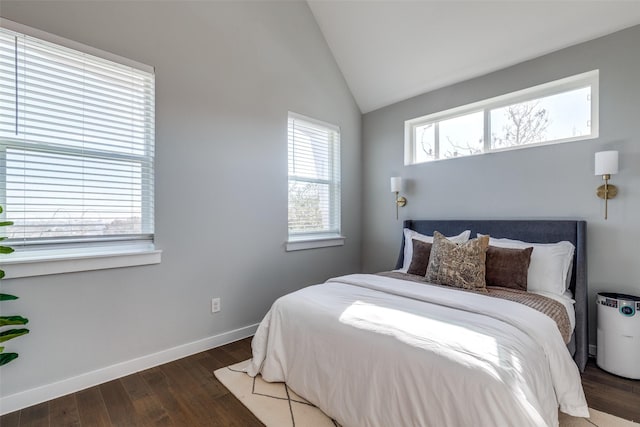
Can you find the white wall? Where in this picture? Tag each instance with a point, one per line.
(552, 182)
(226, 75)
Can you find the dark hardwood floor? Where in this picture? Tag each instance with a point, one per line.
(611, 394)
(185, 393)
(180, 393)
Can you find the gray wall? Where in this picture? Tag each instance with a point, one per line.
(227, 73)
(554, 182)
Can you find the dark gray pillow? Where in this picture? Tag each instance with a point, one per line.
(420, 259)
(508, 267)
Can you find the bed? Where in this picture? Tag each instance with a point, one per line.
(376, 350)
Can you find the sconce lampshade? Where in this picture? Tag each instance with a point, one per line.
(606, 163)
(396, 184)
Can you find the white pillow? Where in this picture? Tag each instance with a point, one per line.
(409, 235)
(550, 267)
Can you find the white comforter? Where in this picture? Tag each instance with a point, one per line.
(376, 351)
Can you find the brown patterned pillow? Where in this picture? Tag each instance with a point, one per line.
(458, 265)
(420, 259)
(508, 267)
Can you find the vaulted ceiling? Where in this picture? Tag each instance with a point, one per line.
(392, 50)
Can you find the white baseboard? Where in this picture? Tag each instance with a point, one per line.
(46, 392)
(593, 350)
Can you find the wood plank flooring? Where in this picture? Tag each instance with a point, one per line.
(180, 393)
(185, 393)
(610, 393)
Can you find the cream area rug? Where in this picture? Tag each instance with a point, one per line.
(276, 405)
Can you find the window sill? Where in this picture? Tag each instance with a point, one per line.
(313, 243)
(57, 261)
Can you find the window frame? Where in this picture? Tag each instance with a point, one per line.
(56, 255)
(333, 236)
(578, 81)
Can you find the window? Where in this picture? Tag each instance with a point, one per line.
(560, 111)
(76, 145)
(314, 183)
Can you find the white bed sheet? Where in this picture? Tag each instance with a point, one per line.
(565, 299)
(376, 351)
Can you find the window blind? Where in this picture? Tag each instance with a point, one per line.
(314, 177)
(76, 144)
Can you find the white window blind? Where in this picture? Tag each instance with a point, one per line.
(314, 178)
(76, 144)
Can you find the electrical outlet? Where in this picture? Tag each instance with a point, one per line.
(215, 305)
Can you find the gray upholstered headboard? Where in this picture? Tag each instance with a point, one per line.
(534, 231)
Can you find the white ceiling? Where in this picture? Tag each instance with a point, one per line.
(392, 50)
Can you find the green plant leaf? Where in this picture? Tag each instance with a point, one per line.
(13, 320)
(7, 357)
(9, 320)
(12, 333)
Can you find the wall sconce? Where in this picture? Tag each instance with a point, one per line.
(606, 165)
(396, 186)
